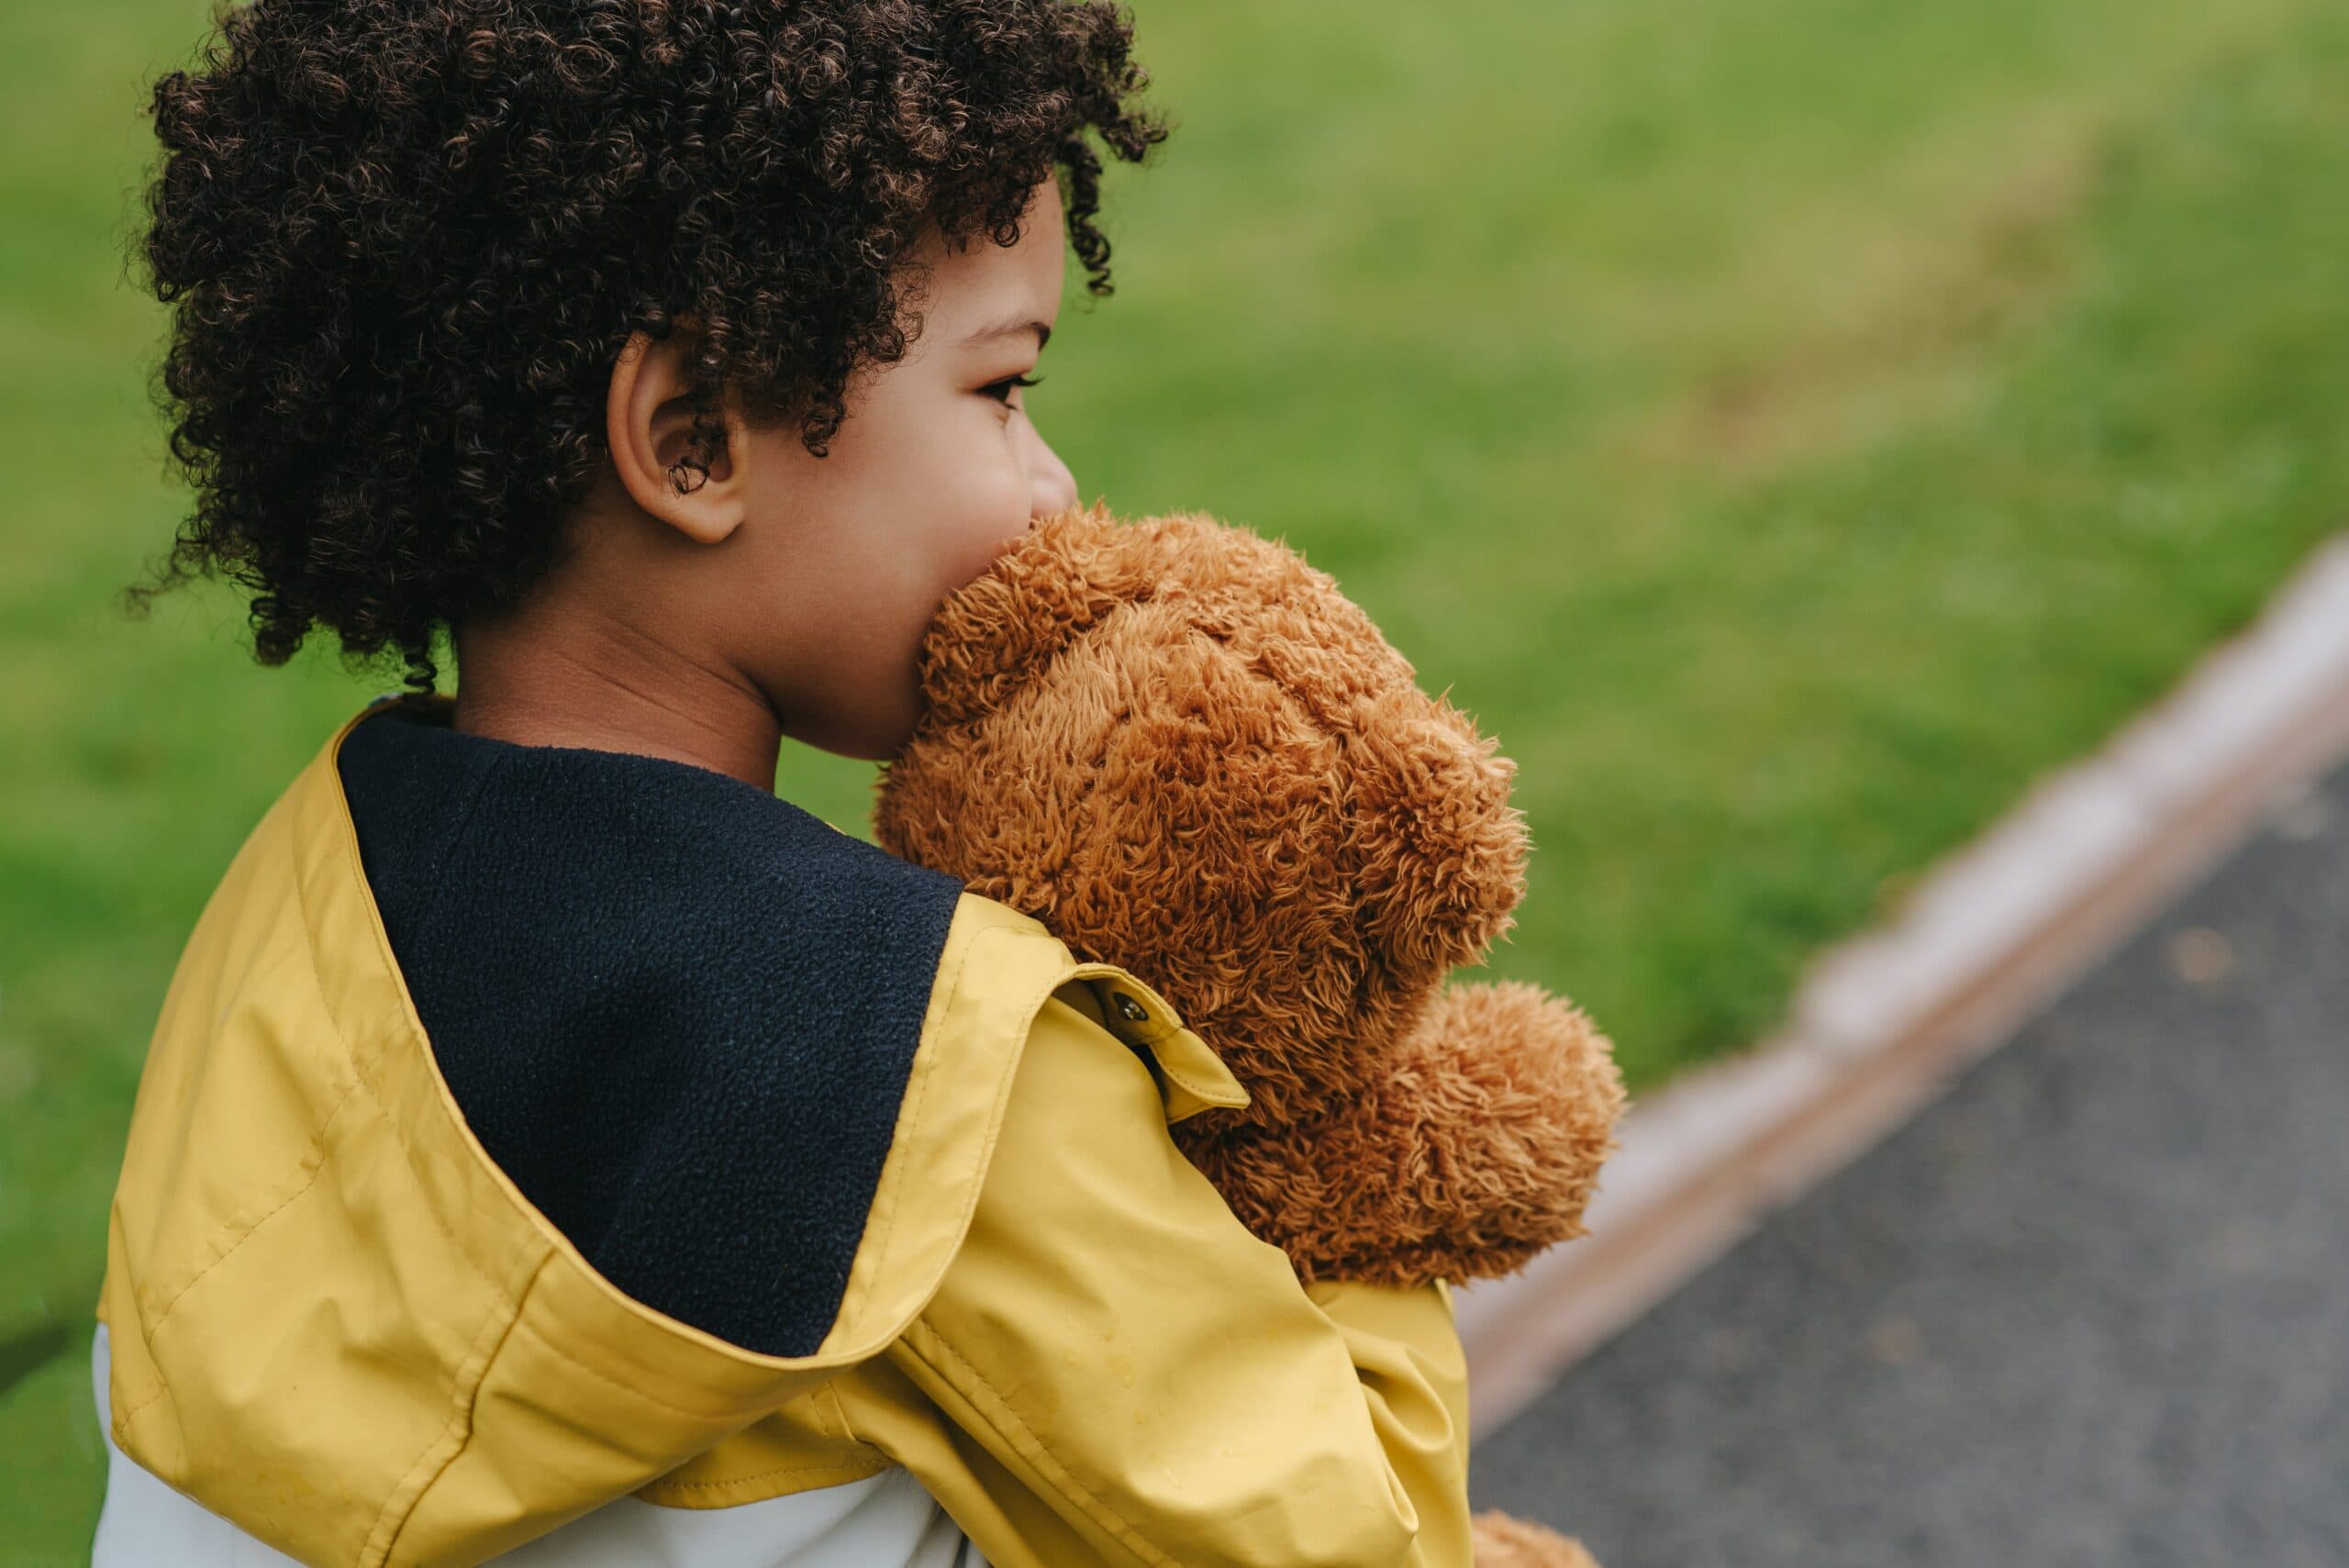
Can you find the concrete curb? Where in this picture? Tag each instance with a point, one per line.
(1883, 1021)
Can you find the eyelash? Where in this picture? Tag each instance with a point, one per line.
(1009, 381)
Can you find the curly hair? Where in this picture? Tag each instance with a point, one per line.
(403, 242)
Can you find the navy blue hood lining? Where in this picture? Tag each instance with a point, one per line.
(678, 1011)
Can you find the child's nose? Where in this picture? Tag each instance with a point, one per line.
(1050, 486)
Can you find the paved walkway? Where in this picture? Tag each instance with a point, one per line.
(2091, 1308)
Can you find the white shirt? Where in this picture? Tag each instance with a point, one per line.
(882, 1521)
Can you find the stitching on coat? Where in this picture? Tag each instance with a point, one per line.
(971, 1198)
(1068, 1483)
(1157, 1033)
(608, 1380)
(872, 1468)
(1204, 1090)
(315, 1154)
(499, 1298)
(921, 1090)
(840, 1411)
(392, 1130)
(120, 1421)
(318, 1147)
(834, 1423)
(391, 1123)
(462, 1415)
(830, 1389)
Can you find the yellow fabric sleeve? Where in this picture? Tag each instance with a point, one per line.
(1114, 1370)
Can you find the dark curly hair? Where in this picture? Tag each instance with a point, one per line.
(404, 240)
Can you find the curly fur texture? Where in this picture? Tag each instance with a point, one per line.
(404, 241)
(1177, 739)
(1479, 1147)
(1504, 1542)
(1180, 747)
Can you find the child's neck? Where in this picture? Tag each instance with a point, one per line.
(611, 691)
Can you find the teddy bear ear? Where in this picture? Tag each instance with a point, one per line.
(1441, 852)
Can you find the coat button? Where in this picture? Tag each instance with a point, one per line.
(1134, 1011)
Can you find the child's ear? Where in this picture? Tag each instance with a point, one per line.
(648, 429)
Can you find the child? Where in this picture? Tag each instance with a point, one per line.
(554, 1146)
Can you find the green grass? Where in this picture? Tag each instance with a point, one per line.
(1790, 428)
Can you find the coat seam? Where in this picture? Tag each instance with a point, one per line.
(408, 1155)
(1067, 1484)
(358, 871)
(1211, 1093)
(463, 1414)
(318, 1147)
(149, 1329)
(314, 1153)
(849, 1311)
(313, 1156)
(499, 1295)
(872, 1467)
(829, 1391)
(607, 1379)
(913, 1120)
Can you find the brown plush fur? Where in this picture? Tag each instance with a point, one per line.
(1182, 748)
(1479, 1148)
(1177, 746)
(1504, 1542)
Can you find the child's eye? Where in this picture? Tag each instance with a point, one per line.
(1007, 383)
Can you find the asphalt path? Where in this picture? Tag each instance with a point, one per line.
(2091, 1306)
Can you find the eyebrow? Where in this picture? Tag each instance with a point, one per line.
(1007, 328)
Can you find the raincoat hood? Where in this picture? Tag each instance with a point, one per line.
(337, 1321)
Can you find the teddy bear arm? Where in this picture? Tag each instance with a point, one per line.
(1504, 1542)
(1479, 1148)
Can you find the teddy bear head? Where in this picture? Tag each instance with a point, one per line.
(1178, 746)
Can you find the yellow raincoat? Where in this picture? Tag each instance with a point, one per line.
(336, 1321)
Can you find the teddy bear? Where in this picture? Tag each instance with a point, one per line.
(1177, 745)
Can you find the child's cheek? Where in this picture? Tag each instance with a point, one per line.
(985, 540)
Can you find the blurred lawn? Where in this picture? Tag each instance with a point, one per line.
(1789, 428)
